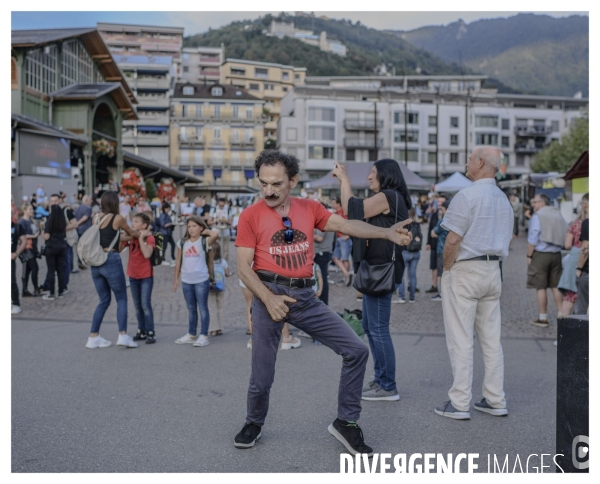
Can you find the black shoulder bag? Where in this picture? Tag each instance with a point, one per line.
(377, 279)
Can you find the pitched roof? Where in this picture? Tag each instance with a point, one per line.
(204, 91)
(84, 92)
(37, 125)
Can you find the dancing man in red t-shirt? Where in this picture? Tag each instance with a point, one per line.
(275, 261)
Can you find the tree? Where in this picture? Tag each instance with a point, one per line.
(150, 188)
(560, 155)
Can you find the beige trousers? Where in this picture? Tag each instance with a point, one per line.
(471, 303)
(216, 299)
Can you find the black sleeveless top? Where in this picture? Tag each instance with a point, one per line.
(107, 235)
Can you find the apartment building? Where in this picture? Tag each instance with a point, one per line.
(199, 64)
(216, 132)
(264, 80)
(283, 29)
(127, 39)
(149, 77)
(429, 122)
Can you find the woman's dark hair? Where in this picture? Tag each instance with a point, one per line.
(274, 157)
(390, 178)
(56, 222)
(109, 203)
(216, 248)
(166, 206)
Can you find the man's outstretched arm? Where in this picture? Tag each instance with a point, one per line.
(356, 228)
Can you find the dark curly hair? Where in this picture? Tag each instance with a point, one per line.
(274, 157)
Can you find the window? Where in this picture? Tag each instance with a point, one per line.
(217, 111)
(188, 90)
(235, 135)
(432, 138)
(505, 141)
(296, 77)
(453, 140)
(269, 87)
(254, 87)
(321, 133)
(292, 134)
(259, 72)
(487, 139)
(185, 110)
(505, 124)
(321, 152)
(217, 91)
(400, 155)
(285, 89)
(236, 71)
(248, 113)
(186, 69)
(454, 121)
(285, 76)
(413, 136)
(431, 157)
(321, 114)
(454, 158)
(77, 65)
(555, 126)
(413, 118)
(486, 121)
(217, 133)
(520, 161)
(236, 111)
(432, 121)
(372, 155)
(350, 155)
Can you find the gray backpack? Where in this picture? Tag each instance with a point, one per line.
(89, 249)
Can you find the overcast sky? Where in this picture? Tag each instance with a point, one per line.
(197, 22)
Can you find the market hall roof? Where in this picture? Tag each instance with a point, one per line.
(89, 92)
(22, 121)
(149, 167)
(92, 41)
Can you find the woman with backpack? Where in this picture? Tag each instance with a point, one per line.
(110, 276)
(141, 276)
(389, 204)
(221, 270)
(411, 255)
(193, 262)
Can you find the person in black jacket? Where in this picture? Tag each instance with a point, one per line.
(411, 255)
(390, 202)
(432, 246)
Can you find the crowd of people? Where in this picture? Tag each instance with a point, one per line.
(286, 250)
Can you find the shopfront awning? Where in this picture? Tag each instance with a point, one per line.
(156, 170)
(153, 129)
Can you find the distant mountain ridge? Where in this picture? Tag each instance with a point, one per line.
(533, 53)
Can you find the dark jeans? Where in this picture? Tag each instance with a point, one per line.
(14, 287)
(322, 260)
(110, 277)
(376, 323)
(55, 260)
(68, 263)
(583, 294)
(312, 316)
(141, 293)
(30, 268)
(196, 296)
(411, 260)
(168, 239)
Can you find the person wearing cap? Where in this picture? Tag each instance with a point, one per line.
(479, 220)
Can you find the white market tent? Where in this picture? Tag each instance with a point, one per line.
(455, 182)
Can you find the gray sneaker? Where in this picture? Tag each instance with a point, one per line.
(447, 410)
(484, 406)
(370, 386)
(376, 394)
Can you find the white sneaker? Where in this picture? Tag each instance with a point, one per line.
(202, 341)
(166, 263)
(294, 343)
(15, 309)
(172, 264)
(187, 339)
(48, 297)
(398, 300)
(127, 341)
(249, 343)
(97, 342)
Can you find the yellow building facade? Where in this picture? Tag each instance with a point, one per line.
(264, 80)
(216, 133)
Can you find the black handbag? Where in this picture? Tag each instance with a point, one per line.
(377, 279)
(26, 255)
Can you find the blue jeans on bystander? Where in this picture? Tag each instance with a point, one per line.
(110, 276)
(196, 296)
(141, 293)
(411, 260)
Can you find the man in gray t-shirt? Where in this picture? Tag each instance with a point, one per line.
(323, 252)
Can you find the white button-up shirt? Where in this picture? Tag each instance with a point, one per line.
(483, 216)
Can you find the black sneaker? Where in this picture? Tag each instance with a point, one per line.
(139, 336)
(432, 289)
(247, 436)
(150, 338)
(26, 293)
(351, 436)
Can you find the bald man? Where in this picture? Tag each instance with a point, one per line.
(480, 221)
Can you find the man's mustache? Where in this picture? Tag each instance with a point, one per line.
(272, 197)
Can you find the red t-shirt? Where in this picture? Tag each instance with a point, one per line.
(261, 228)
(139, 267)
(340, 212)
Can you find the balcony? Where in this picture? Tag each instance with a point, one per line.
(362, 143)
(208, 73)
(146, 139)
(533, 130)
(243, 143)
(362, 124)
(529, 147)
(150, 101)
(153, 119)
(191, 141)
(152, 82)
(210, 60)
